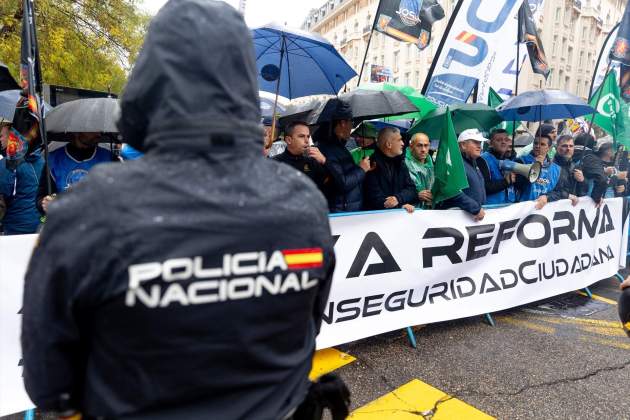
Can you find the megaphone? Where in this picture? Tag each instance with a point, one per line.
(624, 309)
(531, 171)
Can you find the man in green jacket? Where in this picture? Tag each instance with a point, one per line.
(420, 167)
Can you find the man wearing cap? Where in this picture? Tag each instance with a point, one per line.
(389, 185)
(365, 139)
(472, 198)
(346, 191)
(420, 165)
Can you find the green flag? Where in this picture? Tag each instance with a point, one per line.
(494, 100)
(612, 112)
(450, 175)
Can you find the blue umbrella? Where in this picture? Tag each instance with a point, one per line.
(295, 63)
(546, 104)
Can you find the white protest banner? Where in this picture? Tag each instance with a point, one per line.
(396, 269)
(15, 251)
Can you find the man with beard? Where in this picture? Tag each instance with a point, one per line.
(389, 185)
(549, 173)
(571, 183)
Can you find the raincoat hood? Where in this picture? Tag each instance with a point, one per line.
(194, 83)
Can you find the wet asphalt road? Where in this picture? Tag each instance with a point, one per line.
(563, 358)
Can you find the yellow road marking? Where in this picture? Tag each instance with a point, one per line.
(327, 360)
(599, 298)
(414, 398)
(579, 321)
(610, 343)
(611, 332)
(527, 324)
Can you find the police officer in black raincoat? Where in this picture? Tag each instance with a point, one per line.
(189, 283)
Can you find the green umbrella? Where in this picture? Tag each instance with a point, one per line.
(423, 104)
(464, 116)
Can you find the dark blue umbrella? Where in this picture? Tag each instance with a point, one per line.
(546, 104)
(294, 63)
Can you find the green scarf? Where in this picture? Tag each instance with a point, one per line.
(421, 173)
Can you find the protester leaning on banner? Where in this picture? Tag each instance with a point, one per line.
(499, 185)
(591, 165)
(18, 190)
(420, 166)
(365, 138)
(346, 191)
(549, 173)
(70, 164)
(571, 184)
(154, 326)
(389, 185)
(303, 157)
(472, 198)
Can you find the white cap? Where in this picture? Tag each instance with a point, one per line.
(471, 134)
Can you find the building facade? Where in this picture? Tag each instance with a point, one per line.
(572, 31)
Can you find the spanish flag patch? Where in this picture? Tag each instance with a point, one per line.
(297, 259)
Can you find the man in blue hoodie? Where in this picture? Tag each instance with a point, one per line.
(18, 190)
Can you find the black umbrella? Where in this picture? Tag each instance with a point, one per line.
(94, 115)
(365, 104)
(7, 82)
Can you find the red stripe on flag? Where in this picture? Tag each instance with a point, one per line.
(307, 265)
(302, 251)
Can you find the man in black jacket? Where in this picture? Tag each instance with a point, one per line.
(303, 157)
(471, 199)
(389, 184)
(571, 183)
(592, 166)
(345, 193)
(189, 283)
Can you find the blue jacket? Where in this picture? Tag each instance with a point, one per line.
(472, 198)
(346, 191)
(498, 190)
(19, 189)
(549, 176)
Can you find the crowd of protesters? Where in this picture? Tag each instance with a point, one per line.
(364, 169)
(372, 170)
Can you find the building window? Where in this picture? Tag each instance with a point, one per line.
(383, 60)
(407, 81)
(584, 28)
(417, 80)
(570, 55)
(396, 60)
(581, 60)
(558, 14)
(554, 45)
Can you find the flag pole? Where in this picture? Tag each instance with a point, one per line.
(275, 102)
(518, 69)
(35, 86)
(441, 46)
(367, 48)
(601, 53)
(599, 96)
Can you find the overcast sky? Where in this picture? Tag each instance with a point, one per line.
(260, 12)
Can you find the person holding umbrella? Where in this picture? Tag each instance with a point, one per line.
(69, 165)
(346, 192)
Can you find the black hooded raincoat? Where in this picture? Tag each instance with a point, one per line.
(189, 283)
